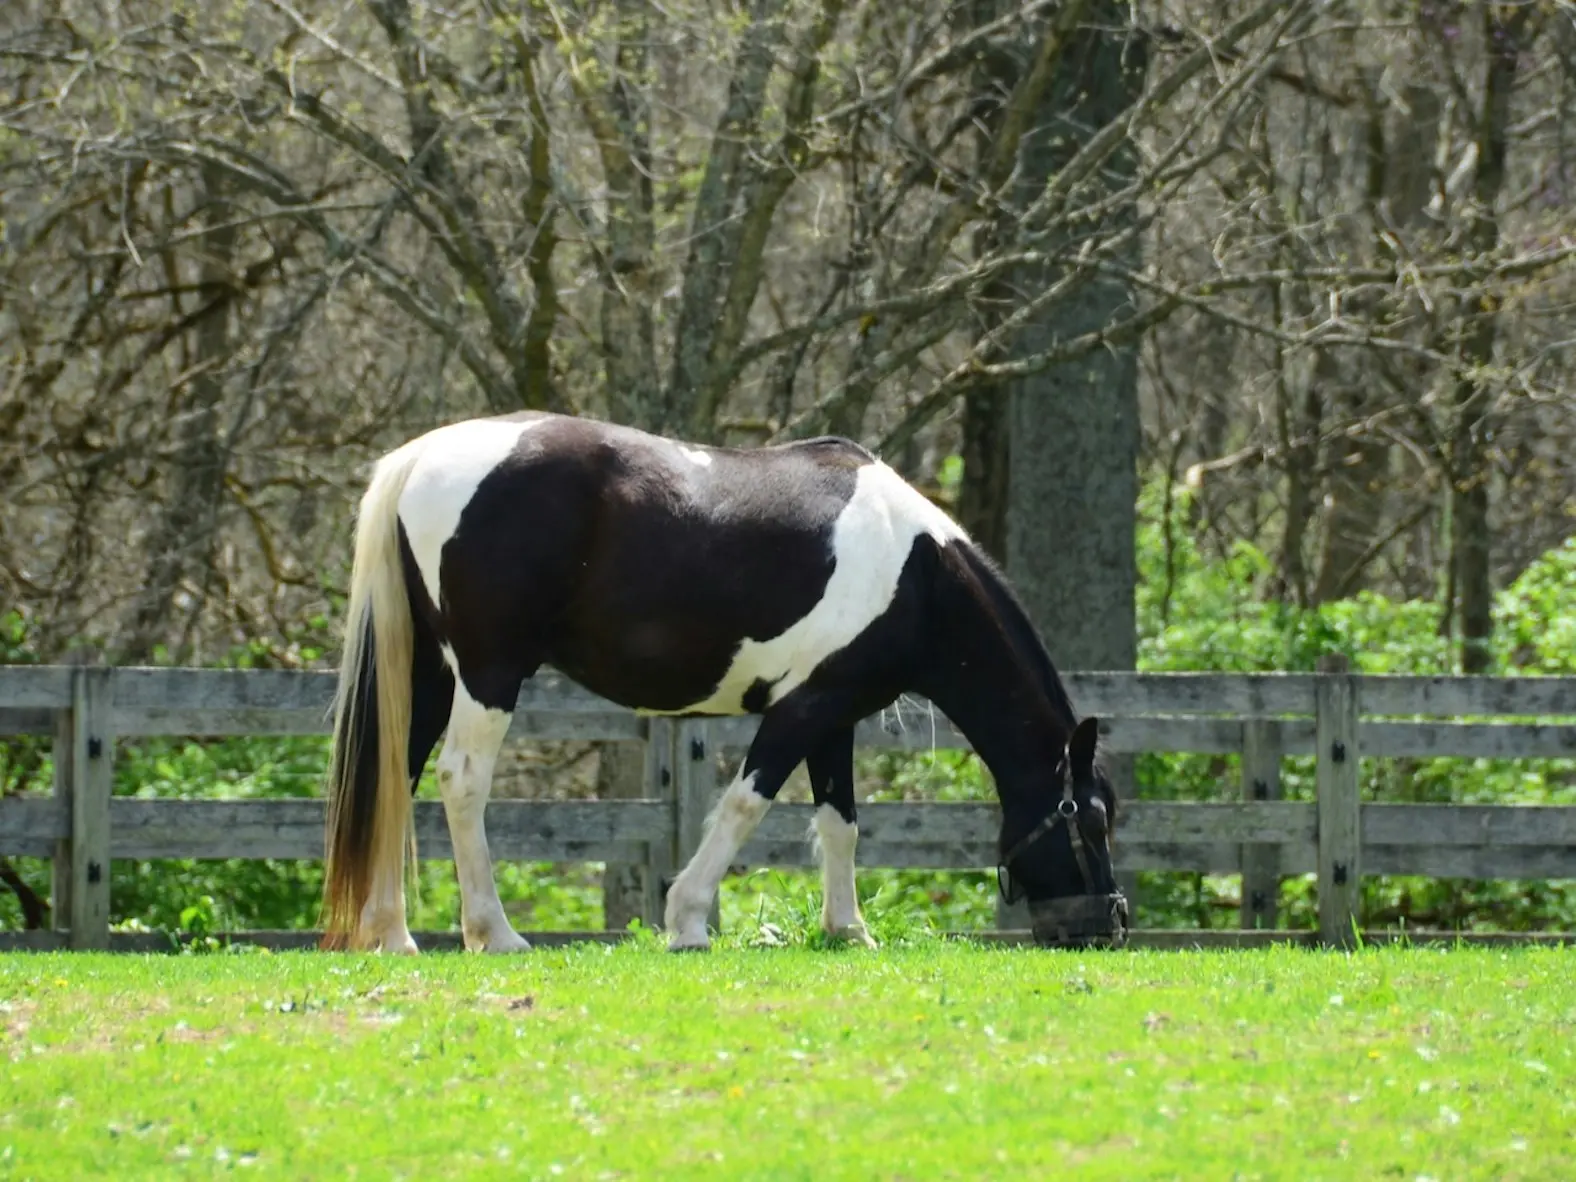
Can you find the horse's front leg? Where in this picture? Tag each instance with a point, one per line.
(831, 768)
(787, 734)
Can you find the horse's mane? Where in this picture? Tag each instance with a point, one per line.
(1020, 629)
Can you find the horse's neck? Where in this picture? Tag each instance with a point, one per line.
(995, 694)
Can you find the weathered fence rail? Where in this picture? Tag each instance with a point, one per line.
(1337, 717)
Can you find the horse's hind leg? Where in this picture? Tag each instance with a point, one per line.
(465, 770)
(831, 768)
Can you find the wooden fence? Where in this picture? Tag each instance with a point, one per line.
(1336, 716)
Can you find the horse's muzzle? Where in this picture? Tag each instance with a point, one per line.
(1080, 921)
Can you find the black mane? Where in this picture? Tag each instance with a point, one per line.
(1015, 619)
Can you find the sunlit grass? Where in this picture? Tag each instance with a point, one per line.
(932, 1060)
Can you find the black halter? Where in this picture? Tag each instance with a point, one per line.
(1093, 918)
(1065, 812)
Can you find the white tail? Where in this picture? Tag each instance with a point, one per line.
(369, 816)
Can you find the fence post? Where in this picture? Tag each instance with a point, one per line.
(621, 775)
(661, 784)
(1261, 756)
(1339, 807)
(696, 771)
(60, 867)
(92, 777)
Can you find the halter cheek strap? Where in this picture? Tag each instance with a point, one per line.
(1065, 812)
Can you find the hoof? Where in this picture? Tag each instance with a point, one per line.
(399, 944)
(503, 939)
(689, 942)
(855, 933)
(514, 942)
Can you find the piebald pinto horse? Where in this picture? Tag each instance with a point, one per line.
(808, 584)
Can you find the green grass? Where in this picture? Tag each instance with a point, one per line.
(931, 1060)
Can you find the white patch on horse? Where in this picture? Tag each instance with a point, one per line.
(454, 461)
(727, 829)
(465, 770)
(696, 456)
(871, 542)
(835, 839)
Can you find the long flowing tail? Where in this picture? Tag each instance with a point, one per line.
(369, 803)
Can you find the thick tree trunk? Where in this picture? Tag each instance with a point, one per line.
(1503, 31)
(1072, 489)
(1072, 486)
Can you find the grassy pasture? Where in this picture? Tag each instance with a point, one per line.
(930, 1060)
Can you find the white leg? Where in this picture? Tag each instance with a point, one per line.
(465, 768)
(839, 902)
(727, 829)
(383, 927)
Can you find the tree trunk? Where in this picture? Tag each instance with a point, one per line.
(1072, 486)
(1072, 489)
(182, 540)
(982, 499)
(1503, 30)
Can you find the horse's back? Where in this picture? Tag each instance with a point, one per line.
(659, 574)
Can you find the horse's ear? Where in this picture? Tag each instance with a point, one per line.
(1080, 748)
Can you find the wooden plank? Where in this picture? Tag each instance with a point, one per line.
(30, 720)
(1468, 696)
(1127, 694)
(1153, 835)
(517, 830)
(1151, 939)
(613, 724)
(283, 941)
(1474, 740)
(916, 730)
(1120, 735)
(1224, 858)
(35, 826)
(140, 689)
(1187, 940)
(1141, 822)
(92, 779)
(35, 687)
(1495, 825)
(1481, 862)
(1274, 822)
(1339, 807)
(1123, 695)
(981, 856)
(1260, 776)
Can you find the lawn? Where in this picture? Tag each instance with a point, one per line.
(934, 1060)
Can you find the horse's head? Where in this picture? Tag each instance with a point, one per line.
(1060, 861)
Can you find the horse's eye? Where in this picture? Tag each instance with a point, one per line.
(1097, 814)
